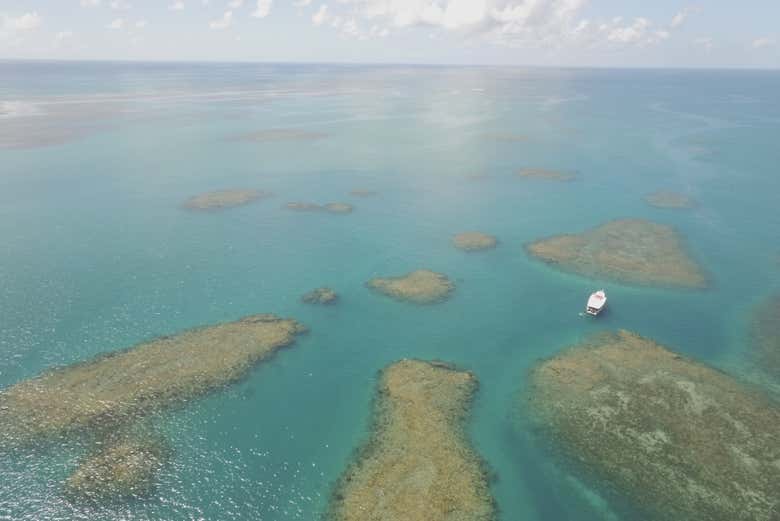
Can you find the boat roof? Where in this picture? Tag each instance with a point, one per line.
(597, 299)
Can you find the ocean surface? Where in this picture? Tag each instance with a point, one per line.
(97, 253)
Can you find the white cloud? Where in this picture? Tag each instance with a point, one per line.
(62, 37)
(515, 23)
(302, 3)
(263, 8)
(141, 24)
(25, 22)
(682, 16)
(178, 5)
(705, 43)
(320, 16)
(222, 23)
(116, 24)
(762, 43)
(120, 5)
(235, 4)
(89, 3)
(633, 33)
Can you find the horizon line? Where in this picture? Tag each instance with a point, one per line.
(381, 64)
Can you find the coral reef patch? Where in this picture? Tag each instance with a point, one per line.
(631, 251)
(337, 208)
(222, 199)
(546, 174)
(363, 193)
(679, 439)
(418, 464)
(320, 296)
(280, 134)
(420, 287)
(121, 387)
(765, 336)
(474, 241)
(125, 466)
(664, 199)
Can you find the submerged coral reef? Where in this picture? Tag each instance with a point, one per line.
(363, 193)
(682, 440)
(664, 199)
(280, 134)
(125, 466)
(418, 464)
(339, 208)
(123, 386)
(543, 173)
(630, 250)
(223, 199)
(421, 286)
(474, 241)
(765, 336)
(320, 296)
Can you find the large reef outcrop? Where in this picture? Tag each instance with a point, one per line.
(631, 251)
(765, 336)
(679, 439)
(120, 387)
(418, 464)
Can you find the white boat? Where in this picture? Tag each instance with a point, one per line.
(596, 303)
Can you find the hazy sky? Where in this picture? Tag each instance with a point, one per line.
(634, 33)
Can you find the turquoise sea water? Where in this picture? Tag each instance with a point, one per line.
(96, 253)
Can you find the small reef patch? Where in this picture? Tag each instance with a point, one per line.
(324, 296)
(121, 387)
(545, 174)
(124, 467)
(679, 439)
(280, 134)
(222, 199)
(664, 199)
(363, 193)
(420, 287)
(418, 464)
(630, 251)
(337, 208)
(765, 336)
(474, 241)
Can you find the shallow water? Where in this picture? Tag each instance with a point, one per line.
(97, 253)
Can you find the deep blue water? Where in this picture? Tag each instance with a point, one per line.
(96, 253)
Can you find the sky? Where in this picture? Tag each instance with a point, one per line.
(597, 33)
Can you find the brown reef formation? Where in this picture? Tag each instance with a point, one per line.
(474, 241)
(222, 199)
(418, 464)
(765, 336)
(681, 440)
(320, 296)
(120, 387)
(420, 287)
(549, 175)
(664, 199)
(631, 251)
(124, 466)
(337, 208)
